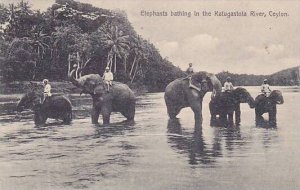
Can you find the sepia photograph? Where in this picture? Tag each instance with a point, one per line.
(153, 95)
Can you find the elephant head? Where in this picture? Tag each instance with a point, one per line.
(30, 100)
(243, 96)
(204, 82)
(89, 84)
(276, 97)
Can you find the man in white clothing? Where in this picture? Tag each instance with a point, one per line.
(47, 89)
(265, 88)
(228, 86)
(108, 77)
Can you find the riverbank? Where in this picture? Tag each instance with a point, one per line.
(64, 87)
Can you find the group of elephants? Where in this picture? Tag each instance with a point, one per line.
(181, 93)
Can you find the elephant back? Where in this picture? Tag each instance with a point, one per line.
(227, 98)
(119, 90)
(57, 103)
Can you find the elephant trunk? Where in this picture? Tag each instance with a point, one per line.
(72, 78)
(21, 105)
(251, 102)
(216, 85)
(281, 101)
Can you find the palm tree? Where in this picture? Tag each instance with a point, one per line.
(39, 41)
(140, 56)
(116, 43)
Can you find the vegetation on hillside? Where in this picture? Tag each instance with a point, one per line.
(287, 77)
(72, 35)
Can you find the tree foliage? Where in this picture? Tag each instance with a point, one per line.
(72, 35)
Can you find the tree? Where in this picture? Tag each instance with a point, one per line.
(115, 43)
(140, 52)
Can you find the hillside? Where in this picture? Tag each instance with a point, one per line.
(71, 35)
(287, 77)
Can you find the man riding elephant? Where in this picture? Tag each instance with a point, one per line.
(189, 92)
(228, 103)
(119, 99)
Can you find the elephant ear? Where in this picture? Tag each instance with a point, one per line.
(90, 85)
(196, 80)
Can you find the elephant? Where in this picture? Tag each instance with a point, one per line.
(120, 97)
(55, 106)
(264, 104)
(189, 92)
(228, 103)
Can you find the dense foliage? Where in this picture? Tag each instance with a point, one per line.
(71, 35)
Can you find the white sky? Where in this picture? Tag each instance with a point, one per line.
(252, 45)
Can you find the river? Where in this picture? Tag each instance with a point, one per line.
(153, 153)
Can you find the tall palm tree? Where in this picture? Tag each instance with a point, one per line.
(40, 42)
(140, 56)
(116, 44)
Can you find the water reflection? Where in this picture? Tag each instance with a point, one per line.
(206, 149)
(263, 123)
(192, 144)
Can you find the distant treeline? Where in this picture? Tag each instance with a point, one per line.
(287, 77)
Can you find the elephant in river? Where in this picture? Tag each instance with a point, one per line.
(264, 104)
(228, 103)
(189, 92)
(120, 97)
(55, 106)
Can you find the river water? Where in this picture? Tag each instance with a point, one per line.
(153, 153)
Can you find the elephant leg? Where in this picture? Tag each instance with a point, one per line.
(39, 119)
(272, 117)
(230, 118)
(238, 115)
(173, 111)
(67, 118)
(223, 117)
(129, 112)
(106, 111)
(197, 109)
(95, 115)
(258, 117)
(212, 109)
(213, 117)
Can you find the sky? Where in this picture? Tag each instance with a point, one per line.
(249, 44)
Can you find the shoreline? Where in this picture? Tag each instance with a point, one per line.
(64, 87)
